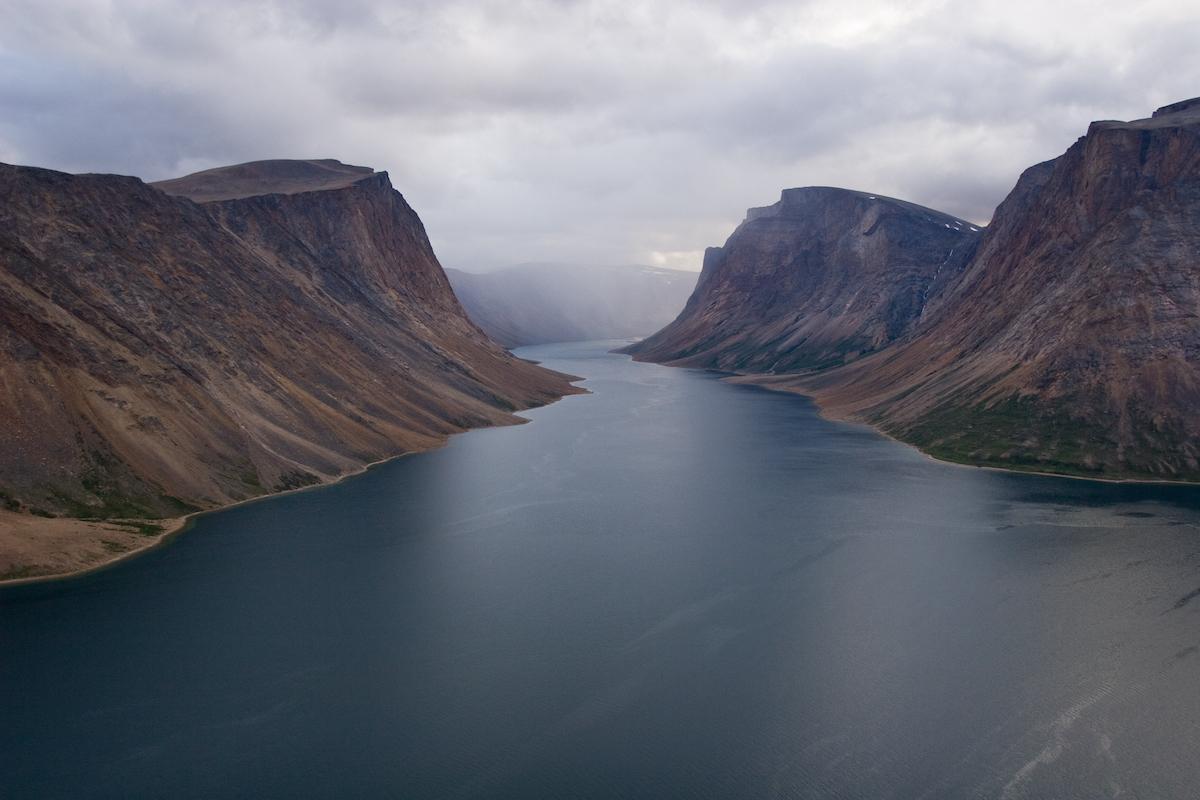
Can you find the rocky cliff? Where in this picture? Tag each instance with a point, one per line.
(161, 354)
(818, 279)
(1071, 342)
(1068, 341)
(539, 303)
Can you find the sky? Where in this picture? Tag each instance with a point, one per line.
(589, 132)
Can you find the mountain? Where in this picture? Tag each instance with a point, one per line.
(820, 278)
(539, 303)
(183, 345)
(1070, 341)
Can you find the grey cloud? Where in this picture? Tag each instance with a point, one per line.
(588, 130)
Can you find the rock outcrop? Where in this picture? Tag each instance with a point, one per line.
(818, 279)
(217, 337)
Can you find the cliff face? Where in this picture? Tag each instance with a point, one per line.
(819, 279)
(160, 354)
(1071, 341)
(1066, 337)
(539, 303)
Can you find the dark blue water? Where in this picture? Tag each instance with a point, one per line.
(672, 587)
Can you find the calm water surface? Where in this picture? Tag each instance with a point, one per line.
(672, 587)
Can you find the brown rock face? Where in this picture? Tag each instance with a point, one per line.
(819, 279)
(1071, 341)
(160, 353)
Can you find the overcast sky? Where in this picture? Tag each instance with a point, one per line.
(589, 131)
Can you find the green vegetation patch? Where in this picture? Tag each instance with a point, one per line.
(178, 507)
(9, 502)
(25, 571)
(106, 501)
(1016, 433)
(110, 504)
(296, 479)
(250, 478)
(141, 528)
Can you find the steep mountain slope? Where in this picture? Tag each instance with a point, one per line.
(819, 278)
(160, 354)
(539, 303)
(1071, 342)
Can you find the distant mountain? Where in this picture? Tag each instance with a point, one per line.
(539, 303)
(1070, 341)
(820, 278)
(243, 330)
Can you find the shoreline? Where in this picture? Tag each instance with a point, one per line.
(763, 381)
(750, 379)
(177, 526)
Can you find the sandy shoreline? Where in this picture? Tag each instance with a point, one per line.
(23, 532)
(170, 527)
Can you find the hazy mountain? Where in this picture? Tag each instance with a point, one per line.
(161, 353)
(1070, 341)
(538, 303)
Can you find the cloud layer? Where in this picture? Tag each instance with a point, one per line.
(585, 131)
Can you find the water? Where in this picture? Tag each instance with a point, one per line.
(672, 587)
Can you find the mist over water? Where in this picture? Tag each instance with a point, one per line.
(672, 587)
(538, 303)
